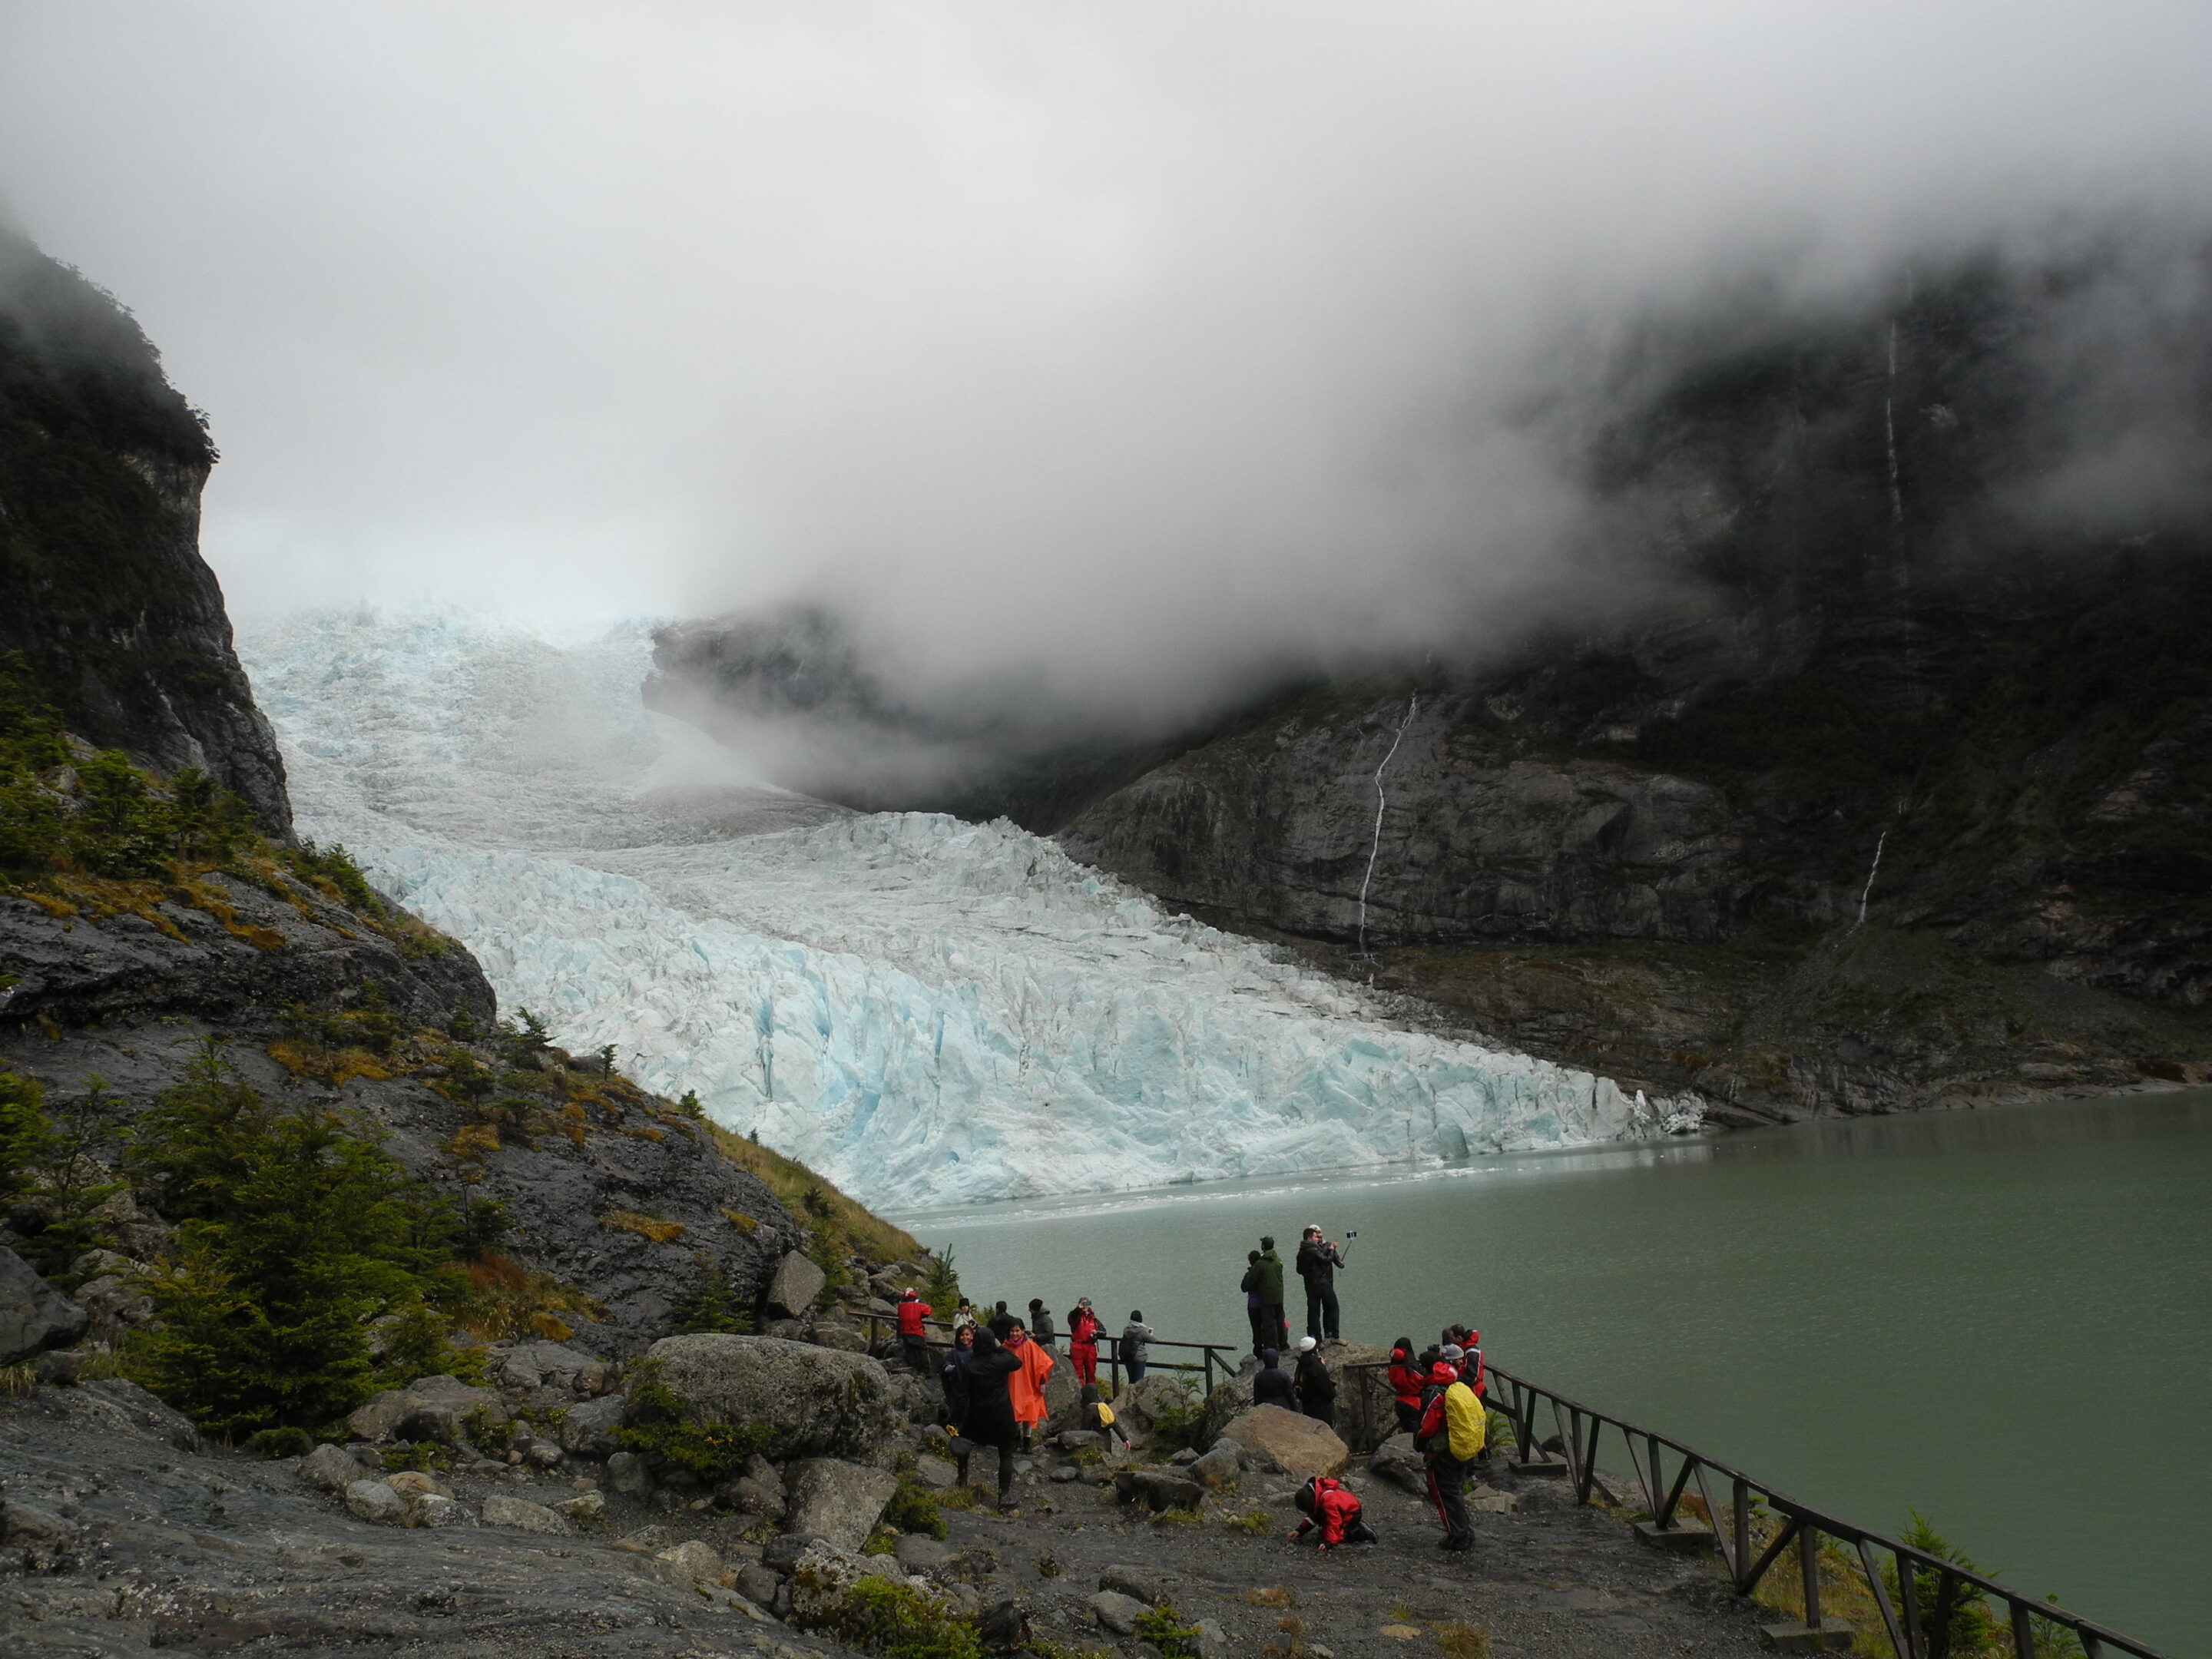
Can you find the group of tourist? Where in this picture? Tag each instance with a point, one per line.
(993, 1374)
(993, 1371)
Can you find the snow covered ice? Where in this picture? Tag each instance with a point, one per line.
(929, 1011)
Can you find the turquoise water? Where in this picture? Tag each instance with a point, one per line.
(2002, 1318)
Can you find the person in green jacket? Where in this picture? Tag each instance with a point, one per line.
(1268, 1270)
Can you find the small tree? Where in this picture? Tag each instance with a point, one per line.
(711, 1304)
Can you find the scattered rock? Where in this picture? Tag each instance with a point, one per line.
(918, 1554)
(757, 1584)
(545, 1366)
(1298, 1446)
(797, 1282)
(750, 1497)
(501, 1511)
(1183, 1456)
(644, 1541)
(628, 1474)
(814, 1401)
(693, 1561)
(1488, 1501)
(34, 1316)
(1213, 1640)
(1157, 1490)
(784, 1553)
(454, 1399)
(588, 1430)
(432, 1508)
(843, 1338)
(841, 1502)
(1396, 1461)
(1134, 1582)
(588, 1510)
(1065, 1474)
(937, 1473)
(1118, 1613)
(371, 1500)
(26, 1524)
(327, 1469)
(1220, 1467)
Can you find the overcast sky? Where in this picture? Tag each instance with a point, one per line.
(1106, 337)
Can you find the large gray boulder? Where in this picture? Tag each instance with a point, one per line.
(815, 1402)
(430, 1409)
(34, 1316)
(589, 1429)
(797, 1282)
(841, 1502)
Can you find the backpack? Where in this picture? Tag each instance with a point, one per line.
(1128, 1347)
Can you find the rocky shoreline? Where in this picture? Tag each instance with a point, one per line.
(514, 1518)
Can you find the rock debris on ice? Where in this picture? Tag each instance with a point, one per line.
(929, 1011)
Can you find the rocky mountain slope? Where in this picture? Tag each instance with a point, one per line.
(102, 588)
(1900, 795)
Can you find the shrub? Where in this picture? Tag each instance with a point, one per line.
(628, 1221)
(1180, 1421)
(877, 1616)
(51, 1152)
(295, 1228)
(711, 1304)
(661, 1432)
(333, 869)
(914, 1508)
(281, 1443)
(1968, 1628)
(1165, 1629)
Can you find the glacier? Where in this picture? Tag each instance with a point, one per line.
(929, 1011)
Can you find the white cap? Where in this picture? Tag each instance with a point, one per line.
(1451, 1351)
(1305, 1345)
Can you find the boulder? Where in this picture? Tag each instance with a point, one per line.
(937, 1473)
(434, 1403)
(917, 1552)
(757, 1583)
(587, 1510)
(26, 1524)
(327, 1469)
(34, 1316)
(841, 1502)
(1157, 1490)
(1063, 1401)
(1396, 1461)
(1220, 1467)
(129, 1409)
(1138, 1406)
(546, 1366)
(796, 1283)
(815, 1403)
(1138, 1582)
(1117, 1613)
(430, 1420)
(750, 1497)
(589, 1428)
(501, 1511)
(1300, 1447)
(783, 1554)
(693, 1561)
(843, 1338)
(1366, 1410)
(432, 1508)
(371, 1500)
(628, 1474)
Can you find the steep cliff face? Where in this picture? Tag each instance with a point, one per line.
(102, 587)
(1897, 697)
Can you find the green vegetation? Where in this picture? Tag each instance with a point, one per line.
(712, 1303)
(1167, 1630)
(914, 1508)
(49, 1156)
(1179, 1421)
(898, 1621)
(660, 1433)
(295, 1228)
(841, 1228)
(1958, 1625)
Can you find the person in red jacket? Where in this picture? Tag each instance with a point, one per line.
(912, 1337)
(1083, 1329)
(1405, 1384)
(1326, 1504)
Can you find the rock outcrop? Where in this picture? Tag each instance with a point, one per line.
(102, 587)
(814, 1401)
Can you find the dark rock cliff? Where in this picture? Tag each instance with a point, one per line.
(102, 587)
(1648, 850)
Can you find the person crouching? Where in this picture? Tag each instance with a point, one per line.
(1329, 1504)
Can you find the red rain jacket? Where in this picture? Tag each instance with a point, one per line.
(912, 1311)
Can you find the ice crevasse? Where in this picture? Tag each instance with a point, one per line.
(928, 1011)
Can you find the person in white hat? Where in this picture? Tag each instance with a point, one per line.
(1317, 1388)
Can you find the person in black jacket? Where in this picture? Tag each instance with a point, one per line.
(953, 1375)
(989, 1418)
(1040, 1324)
(1272, 1385)
(1317, 1388)
(1318, 1261)
(1262, 1336)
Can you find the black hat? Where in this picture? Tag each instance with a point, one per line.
(1268, 1242)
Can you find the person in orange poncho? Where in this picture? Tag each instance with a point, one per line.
(1026, 1386)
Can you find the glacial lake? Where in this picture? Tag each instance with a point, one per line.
(2002, 1318)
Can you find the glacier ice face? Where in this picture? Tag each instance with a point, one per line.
(929, 1011)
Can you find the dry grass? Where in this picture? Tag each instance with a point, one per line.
(331, 1065)
(628, 1221)
(791, 1181)
(1464, 1641)
(1275, 1595)
(474, 1140)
